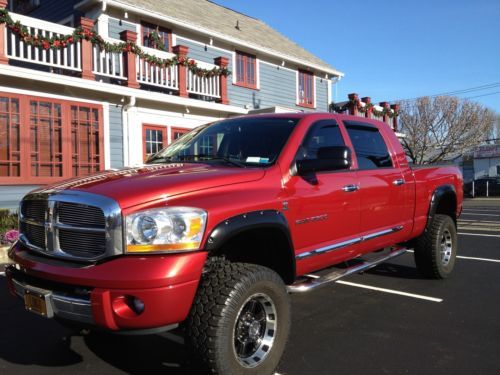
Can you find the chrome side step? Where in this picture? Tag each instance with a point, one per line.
(310, 282)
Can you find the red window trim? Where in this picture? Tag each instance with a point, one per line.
(304, 103)
(178, 129)
(145, 127)
(149, 25)
(24, 109)
(244, 82)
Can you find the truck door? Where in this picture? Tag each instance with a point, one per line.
(324, 207)
(381, 187)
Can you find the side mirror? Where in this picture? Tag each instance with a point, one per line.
(329, 159)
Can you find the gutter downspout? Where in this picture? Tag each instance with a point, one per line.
(126, 128)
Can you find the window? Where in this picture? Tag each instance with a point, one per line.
(43, 140)
(323, 134)
(306, 89)
(370, 147)
(165, 37)
(25, 6)
(10, 140)
(246, 70)
(178, 132)
(154, 138)
(234, 142)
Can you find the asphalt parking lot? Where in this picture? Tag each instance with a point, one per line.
(386, 321)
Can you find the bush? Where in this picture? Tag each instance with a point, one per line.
(8, 223)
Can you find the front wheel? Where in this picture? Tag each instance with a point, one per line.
(240, 319)
(436, 248)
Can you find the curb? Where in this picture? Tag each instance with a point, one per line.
(3, 255)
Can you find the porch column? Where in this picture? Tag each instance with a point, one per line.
(87, 49)
(3, 37)
(129, 59)
(395, 108)
(386, 106)
(367, 100)
(222, 62)
(182, 52)
(353, 104)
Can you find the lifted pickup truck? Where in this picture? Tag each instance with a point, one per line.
(218, 228)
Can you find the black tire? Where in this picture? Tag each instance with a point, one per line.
(436, 248)
(230, 295)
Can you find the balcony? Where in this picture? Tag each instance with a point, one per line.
(81, 56)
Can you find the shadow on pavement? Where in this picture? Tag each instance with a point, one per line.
(396, 270)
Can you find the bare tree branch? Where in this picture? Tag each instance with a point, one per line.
(436, 128)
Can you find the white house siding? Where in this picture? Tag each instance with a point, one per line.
(487, 167)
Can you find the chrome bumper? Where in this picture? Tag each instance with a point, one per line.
(59, 305)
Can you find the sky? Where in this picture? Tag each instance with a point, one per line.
(395, 49)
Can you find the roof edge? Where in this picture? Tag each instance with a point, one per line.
(199, 29)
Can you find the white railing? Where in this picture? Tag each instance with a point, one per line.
(149, 74)
(108, 64)
(64, 58)
(206, 86)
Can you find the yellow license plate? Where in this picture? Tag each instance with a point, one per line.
(35, 303)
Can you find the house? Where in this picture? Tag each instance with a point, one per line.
(96, 84)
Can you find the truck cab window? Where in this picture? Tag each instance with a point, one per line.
(322, 134)
(370, 147)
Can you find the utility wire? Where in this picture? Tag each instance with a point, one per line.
(479, 96)
(456, 92)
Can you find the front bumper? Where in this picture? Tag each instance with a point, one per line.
(99, 294)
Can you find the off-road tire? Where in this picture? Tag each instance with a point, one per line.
(211, 328)
(429, 248)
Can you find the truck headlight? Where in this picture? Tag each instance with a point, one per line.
(165, 229)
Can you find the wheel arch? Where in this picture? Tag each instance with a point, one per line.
(241, 239)
(443, 201)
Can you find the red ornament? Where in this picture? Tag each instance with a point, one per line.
(192, 62)
(45, 45)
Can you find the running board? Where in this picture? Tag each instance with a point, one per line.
(310, 282)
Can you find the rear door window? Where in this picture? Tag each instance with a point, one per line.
(369, 145)
(325, 133)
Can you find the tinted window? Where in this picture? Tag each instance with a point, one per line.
(370, 147)
(248, 141)
(322, 134)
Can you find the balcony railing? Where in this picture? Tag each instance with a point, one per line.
(90, 61)
(154, 75)
(201, 85)
(68, 58)
(108, 64)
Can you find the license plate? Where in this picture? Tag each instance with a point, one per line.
(36, 303)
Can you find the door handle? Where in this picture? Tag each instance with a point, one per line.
(350, 188)
(398, 182)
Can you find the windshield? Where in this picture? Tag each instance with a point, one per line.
(237, 142)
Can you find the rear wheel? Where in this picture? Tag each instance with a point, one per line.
(240, 319)
(436, 248)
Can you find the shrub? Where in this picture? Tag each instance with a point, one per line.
(8, 226)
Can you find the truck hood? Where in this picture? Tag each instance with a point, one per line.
(132, 186)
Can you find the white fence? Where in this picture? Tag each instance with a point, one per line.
(68, 58)
(206, 86)
(108, 64)
(149, 74)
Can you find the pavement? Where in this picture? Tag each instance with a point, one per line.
(388, 320)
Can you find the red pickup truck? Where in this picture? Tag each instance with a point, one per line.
(217, 229)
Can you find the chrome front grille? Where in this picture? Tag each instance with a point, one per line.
(74, 225)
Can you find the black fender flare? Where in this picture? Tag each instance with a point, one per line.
(437, 196)
(231, 227)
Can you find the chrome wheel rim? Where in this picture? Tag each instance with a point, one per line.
(446, 247)
(254, 330)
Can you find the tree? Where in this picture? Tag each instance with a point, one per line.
(437, 128)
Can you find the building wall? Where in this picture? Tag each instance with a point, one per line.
(55, 10)
(116, 136)
(115, 27)
(487, 167)
(10, 195)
